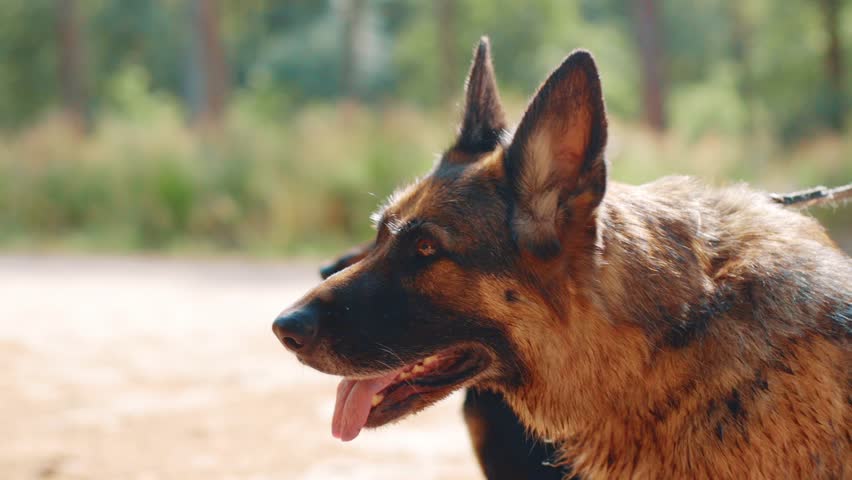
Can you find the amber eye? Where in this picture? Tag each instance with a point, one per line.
(426, 247)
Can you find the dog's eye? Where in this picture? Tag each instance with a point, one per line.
(426, 247)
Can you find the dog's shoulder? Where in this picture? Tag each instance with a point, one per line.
(745, 255)
(731, 221)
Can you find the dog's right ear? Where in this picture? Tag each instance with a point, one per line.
(483, 120)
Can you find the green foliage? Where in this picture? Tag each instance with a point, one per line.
(150, 35)
(307, 184)
(761, 62)
(27, 60)
(154, 183)
(710, 105)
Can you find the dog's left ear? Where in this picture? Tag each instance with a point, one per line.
(346, 260)
(483, 120)
(555, 162)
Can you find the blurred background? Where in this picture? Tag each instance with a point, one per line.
(272, 127)
(163, 162)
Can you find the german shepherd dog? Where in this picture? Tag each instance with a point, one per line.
(666, 330)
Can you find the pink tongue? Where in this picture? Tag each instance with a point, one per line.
(354, 401)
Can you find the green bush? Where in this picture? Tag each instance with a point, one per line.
(304, 184)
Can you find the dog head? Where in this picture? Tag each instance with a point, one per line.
(465, 281)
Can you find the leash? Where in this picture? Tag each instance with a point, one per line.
(815, 197)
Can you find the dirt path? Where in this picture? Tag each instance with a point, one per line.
(118, 368)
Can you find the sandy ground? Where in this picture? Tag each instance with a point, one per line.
(117, 368)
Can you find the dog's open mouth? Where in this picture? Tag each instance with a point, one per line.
(373, 402)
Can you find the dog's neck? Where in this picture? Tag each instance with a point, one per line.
(688, 338)
(618, 318)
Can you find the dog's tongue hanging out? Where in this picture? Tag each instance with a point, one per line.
(354, 401)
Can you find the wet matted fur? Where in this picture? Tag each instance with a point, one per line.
(667, 330)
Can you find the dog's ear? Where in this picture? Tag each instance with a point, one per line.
(351, 257)
(555, 162)
(483, 120)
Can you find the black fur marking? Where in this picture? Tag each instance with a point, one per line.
(760, 382)
(817, 459)
(735, 405)
(342, 262)
(711, 408)
(720, 431)
(697, 319)
(732, 414)
(546, 249)
(782, 367)
(508, 452)
(840, 320)
(661, 411)
(512, 296)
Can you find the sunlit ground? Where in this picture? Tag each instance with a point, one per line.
(129, 368)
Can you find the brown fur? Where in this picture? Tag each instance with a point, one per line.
(758, 389)
(667, 330)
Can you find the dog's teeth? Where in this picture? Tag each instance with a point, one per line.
(418, 369)
(377, 399)
(430, 360)
(404, 375)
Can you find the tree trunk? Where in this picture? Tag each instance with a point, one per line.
(72, 66)
(649, 37)
(742, 34)
(353, 17)
(449, 77)
(208, 83)
(835, 74)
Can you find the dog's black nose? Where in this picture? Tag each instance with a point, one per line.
(298, 329)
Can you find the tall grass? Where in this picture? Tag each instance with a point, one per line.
(305, 184)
